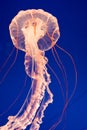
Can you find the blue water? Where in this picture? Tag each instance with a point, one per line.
(72, 18)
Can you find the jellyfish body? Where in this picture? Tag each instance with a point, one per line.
(34, 32)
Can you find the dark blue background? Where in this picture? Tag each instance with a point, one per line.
(72, 17)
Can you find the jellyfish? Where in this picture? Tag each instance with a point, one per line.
(34, 32)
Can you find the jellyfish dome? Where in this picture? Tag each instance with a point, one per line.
(36, 28)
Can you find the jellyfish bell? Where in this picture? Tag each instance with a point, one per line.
(35, 27)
